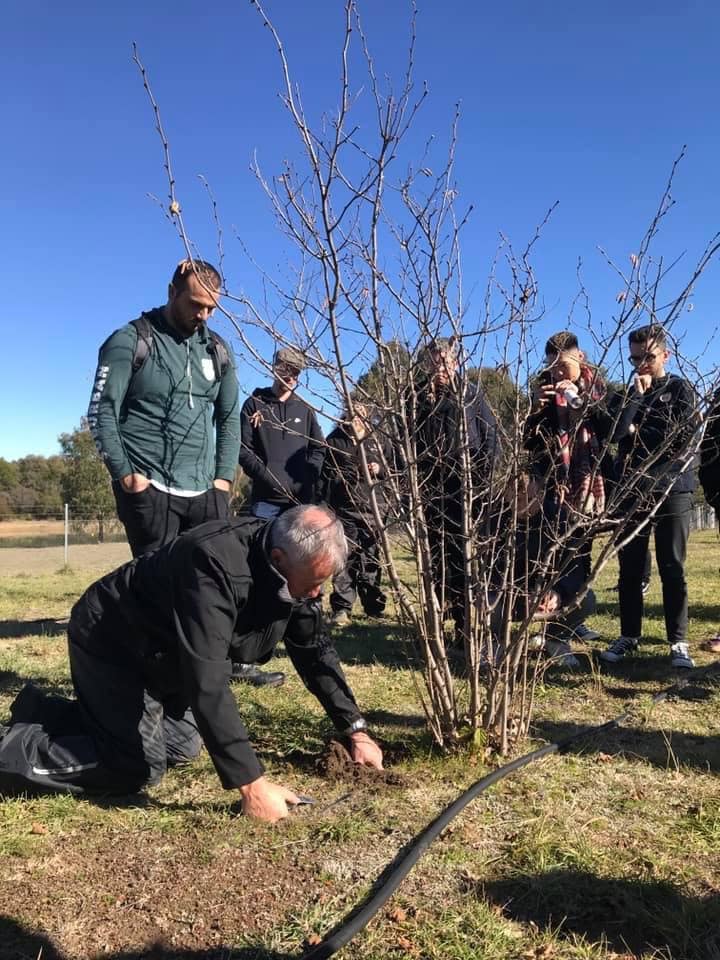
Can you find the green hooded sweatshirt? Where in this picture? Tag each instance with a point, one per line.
(172, 420)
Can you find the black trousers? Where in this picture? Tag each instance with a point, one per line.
(153, 518)
(672, 529)
(362, 574)
(118, 736)
(444, 529)
(564, 628)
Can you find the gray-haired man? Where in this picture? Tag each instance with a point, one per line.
(156, 637)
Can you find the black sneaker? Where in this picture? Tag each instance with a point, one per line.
(680, 656)
(252, 674)
(28, 705)
(619, 649)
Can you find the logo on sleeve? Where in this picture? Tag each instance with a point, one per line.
(208, 368)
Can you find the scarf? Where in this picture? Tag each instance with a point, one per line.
(580, 480)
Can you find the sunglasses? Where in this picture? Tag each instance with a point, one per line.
(645, 358)
(283, 370)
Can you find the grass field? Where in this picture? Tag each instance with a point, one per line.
(608, 851)
(10, 529)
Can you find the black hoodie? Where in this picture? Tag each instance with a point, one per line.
(665, 418)
(185, 611)
(282, 448)
(344, 485)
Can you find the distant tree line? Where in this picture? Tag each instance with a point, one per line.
(37, 488)
(31, 486)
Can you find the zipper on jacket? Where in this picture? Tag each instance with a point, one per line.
(188, 372)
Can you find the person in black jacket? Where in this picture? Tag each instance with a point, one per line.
(554, 579)
(571, 422)
(350, 496)
(282, 446)
(653, 452)
(282, 452)
(447, 425)
(710, 476)
(157, 636)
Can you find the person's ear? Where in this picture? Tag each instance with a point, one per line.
(171, 292)
(278, 558)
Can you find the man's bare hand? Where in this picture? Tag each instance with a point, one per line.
(549, 602)
(365, 751)
(542, 394)
(134, 483)
(374, 468)
(267, 801)
(642, 382)
(221, 484)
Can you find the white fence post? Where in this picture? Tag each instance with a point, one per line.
(67, 527)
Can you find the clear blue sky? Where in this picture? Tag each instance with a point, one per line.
(586, 104)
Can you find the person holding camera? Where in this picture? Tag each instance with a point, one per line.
(567, 433)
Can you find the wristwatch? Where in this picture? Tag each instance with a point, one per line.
(355, 727)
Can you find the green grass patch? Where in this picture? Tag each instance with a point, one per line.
(607, 851)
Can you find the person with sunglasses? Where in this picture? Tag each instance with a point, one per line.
(659, 482)
(282, 447)
(282, 451)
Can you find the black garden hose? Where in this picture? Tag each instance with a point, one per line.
(396, 872)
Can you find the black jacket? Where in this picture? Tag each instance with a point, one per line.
(710, 454)
(665, 419)
(343, 483)
(184, 611)
(533, 540)
(282, 448)
(439, 440)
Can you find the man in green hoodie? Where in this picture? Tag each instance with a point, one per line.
(165, 416)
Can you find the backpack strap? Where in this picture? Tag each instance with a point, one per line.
(218, 349)
(144, 342)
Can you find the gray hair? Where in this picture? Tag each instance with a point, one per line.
(307, 532)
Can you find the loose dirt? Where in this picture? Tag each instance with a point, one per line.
(337, 766)
(113, 899)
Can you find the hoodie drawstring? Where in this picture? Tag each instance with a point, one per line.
(188, 371)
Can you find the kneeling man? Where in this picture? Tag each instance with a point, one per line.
(151, 647)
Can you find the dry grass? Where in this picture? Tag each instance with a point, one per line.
(30, 528)
(609, 850)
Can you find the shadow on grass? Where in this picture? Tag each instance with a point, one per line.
(367, 643)
(709, 612)
(11, 683)
(21, 943)
(628, 915)
(692, 693)
(661, 748)
(14, 629)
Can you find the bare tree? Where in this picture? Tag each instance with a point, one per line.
(376, 301)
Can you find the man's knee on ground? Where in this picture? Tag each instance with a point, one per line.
(182, 740)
